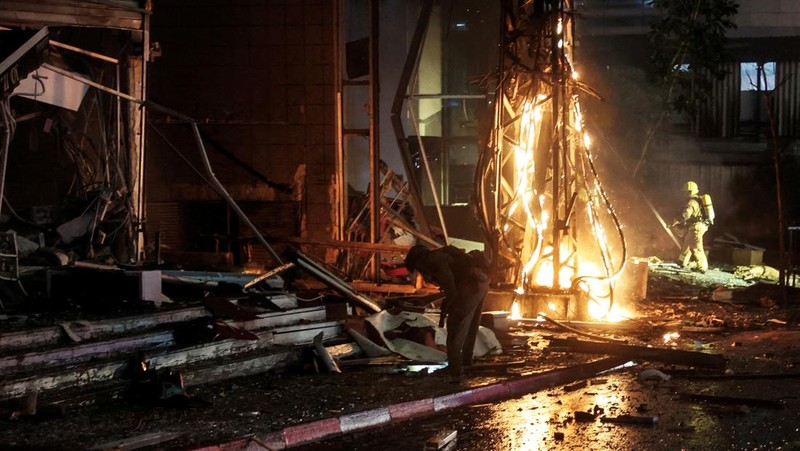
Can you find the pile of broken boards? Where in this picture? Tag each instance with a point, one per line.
(199, 328)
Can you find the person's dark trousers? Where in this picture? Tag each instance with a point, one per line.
(463, 320)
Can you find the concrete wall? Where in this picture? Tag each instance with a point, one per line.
(259, 75)
(767, 18)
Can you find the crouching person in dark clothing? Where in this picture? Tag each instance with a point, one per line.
(464, 280)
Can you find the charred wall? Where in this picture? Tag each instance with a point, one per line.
(259, 77)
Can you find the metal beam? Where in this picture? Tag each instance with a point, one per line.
(374, 134)
(414, 52)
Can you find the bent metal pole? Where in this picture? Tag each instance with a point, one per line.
(224, 193)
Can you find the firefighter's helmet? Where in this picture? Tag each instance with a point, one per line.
(691, 187)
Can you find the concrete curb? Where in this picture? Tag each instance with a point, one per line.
(317, 430)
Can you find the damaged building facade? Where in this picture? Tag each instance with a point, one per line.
(295, 149)
(206, 208)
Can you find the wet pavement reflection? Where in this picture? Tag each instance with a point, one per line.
(547, 420)
(533, 422)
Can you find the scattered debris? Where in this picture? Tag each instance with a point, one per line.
(67, 328)
(497, 368)
(653, 374)
(163, 388)
(576, 386)
(680, 428)
(268, 274)
(564, 326)
(324, 356)
(139, 441)
(584, 417)
(630, 419)
(370, 348)
(442, 440)
(225, 308)
(230, 331)
(27, 406)
(757, 272)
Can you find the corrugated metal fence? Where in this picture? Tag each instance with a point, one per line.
(720, 116)
(787, 95)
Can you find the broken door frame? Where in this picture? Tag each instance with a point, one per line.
(373, 132)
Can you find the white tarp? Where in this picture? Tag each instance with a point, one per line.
(384, 321)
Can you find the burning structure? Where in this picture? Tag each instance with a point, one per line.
(543, 207)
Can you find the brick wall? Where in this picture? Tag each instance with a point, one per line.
(259, 75)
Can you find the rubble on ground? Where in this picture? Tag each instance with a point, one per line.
(213, 361)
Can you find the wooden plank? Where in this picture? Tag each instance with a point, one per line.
(79, 353)
(26, 338)
(70, 9)
(79, 375)
(198, 374)
(441, 439)
(50, 335)
(99, 372)
(305, 334)
(674, 356)
(277, 319)
(369, 287)
(73, 354)
(220, 371)
(285, 301)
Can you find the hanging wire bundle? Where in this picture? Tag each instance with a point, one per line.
(90, 177)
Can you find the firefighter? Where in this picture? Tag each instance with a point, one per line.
(463, 278)
(695, 222)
